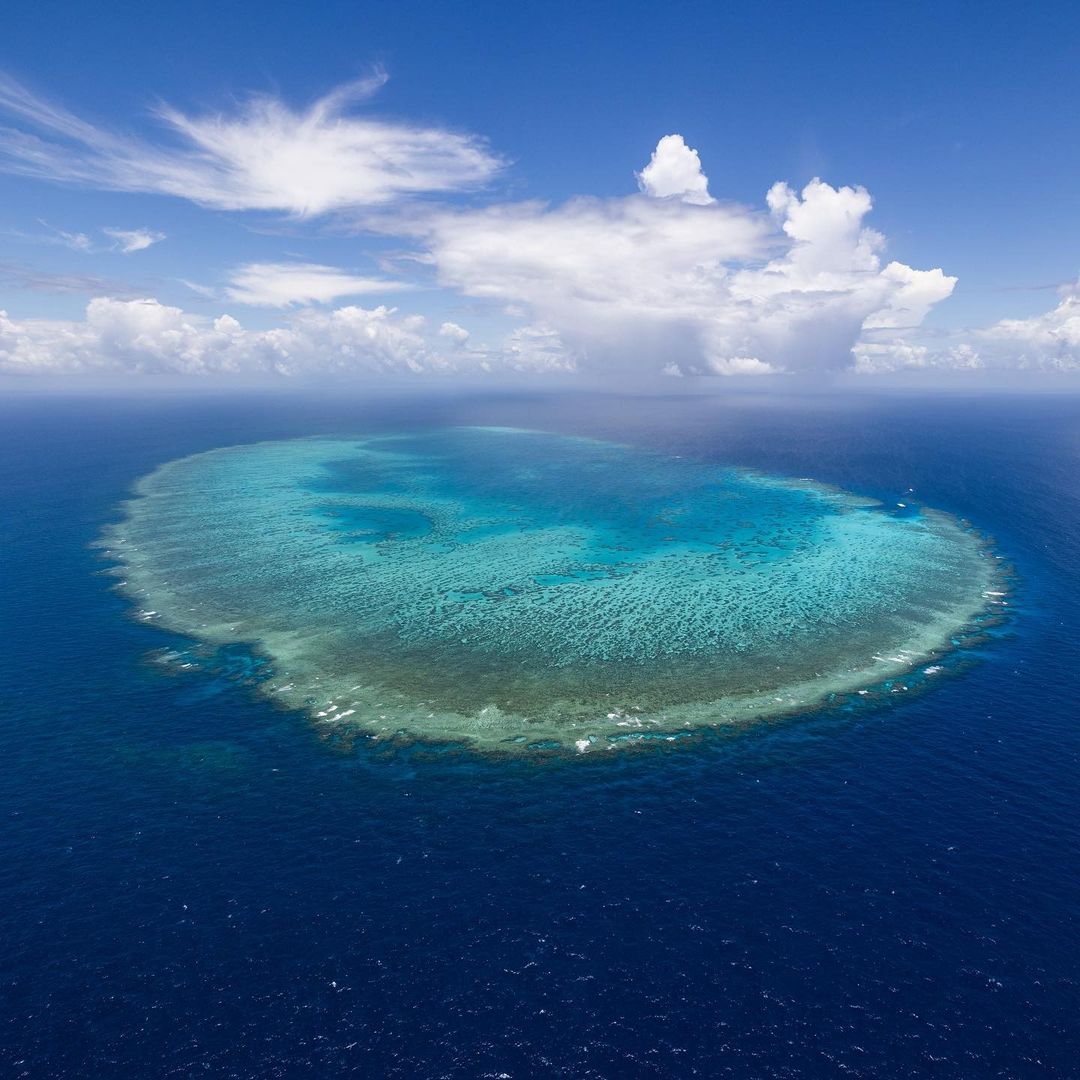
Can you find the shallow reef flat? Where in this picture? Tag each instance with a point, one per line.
(512, 589)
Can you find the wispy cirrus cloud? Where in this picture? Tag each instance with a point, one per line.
(288, 284)
(73, 241)
(669, 279)
(34, 279)
(126, 241)
(131, 240)
(261, 155)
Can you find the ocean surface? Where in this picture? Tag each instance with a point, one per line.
(196, 882)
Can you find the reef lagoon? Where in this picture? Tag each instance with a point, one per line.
(510, 589)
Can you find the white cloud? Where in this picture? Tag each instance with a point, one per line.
(666, 280)
(75, 241)
(132, 240)
(615, 278)
(264, 155)
(21, 276)
(879, 358)
(964, 357)
(675, 171)
(741, 365)
(644, 282)
(458, 334)
(915, 293)
(125, 240)
(537, 348)
(825, 226)
(287, 284)
(147, 337)
(1050, 340)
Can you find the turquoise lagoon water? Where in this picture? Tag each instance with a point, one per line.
(512, 589)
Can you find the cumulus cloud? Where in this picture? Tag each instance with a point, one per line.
(148, 337)
(536, 348)
(886, 357)
(455, 333)
(263, 155)
(288, 284)
(613, 277)
(671, 279)
(674, 171)
(1050, 341)
(668, 279)
(131, 240)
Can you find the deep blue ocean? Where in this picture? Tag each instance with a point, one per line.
(193, 883)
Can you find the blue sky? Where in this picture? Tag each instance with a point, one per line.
(959, 120)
